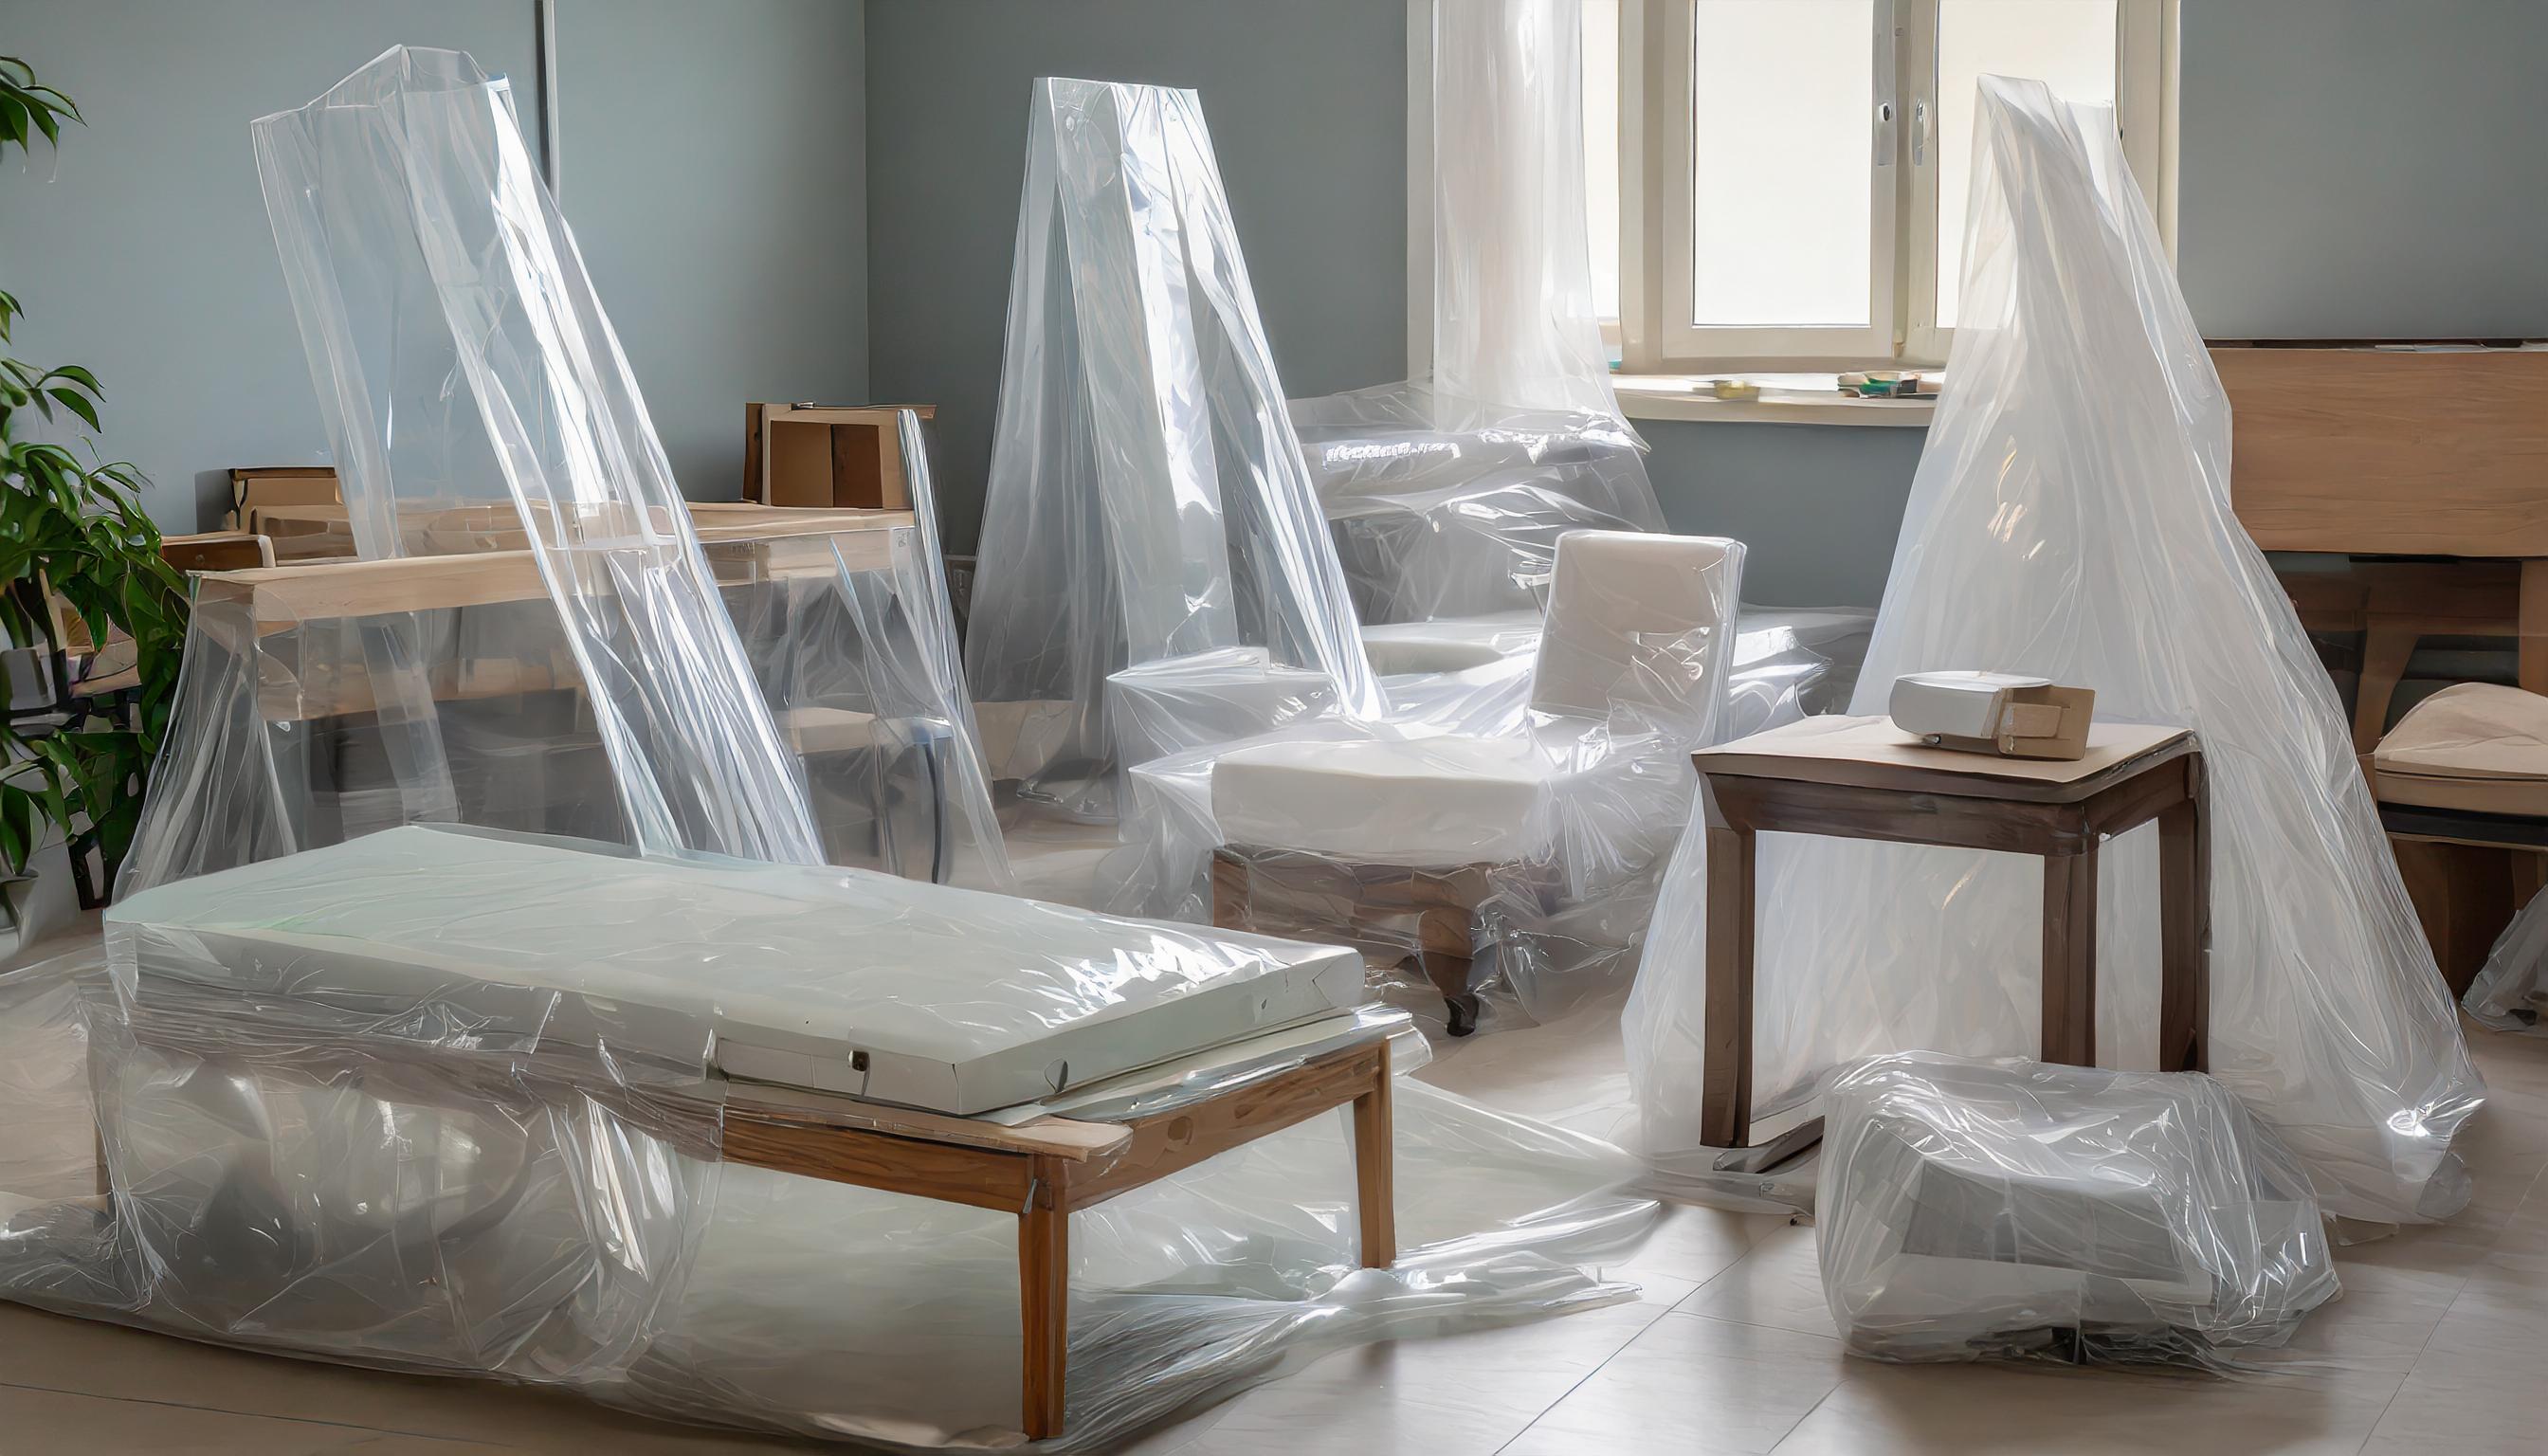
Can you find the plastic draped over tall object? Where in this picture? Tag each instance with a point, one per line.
(428, 264)
(2015, 1209)
(1148, 507)
(2071, 518)
(456, 1098)
(479, 403)
(1447, 492)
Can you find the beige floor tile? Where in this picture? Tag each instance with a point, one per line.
(1694, 1245)
(34, 1421)
(2482, 1401)
(2010, 1411)
(1454, 1395)
(82, 1357)
(1779, 1284)
(1692, 1385)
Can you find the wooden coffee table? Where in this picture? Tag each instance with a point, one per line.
(1864, 778)
(1045, 1170)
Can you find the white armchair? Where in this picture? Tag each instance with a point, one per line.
(1421, 847)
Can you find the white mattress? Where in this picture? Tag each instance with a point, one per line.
(830, 980)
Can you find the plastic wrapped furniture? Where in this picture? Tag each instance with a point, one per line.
(1148, 506)
(417, 1099)
(1442, 850)
(2016, 1209)
(2070, 519)
(1447, 494)
(280, 741)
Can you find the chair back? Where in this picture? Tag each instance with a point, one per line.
(1639, 621)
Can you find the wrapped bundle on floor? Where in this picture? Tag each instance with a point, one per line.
(2017, 1210)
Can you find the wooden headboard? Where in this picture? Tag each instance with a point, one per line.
(2388, 451)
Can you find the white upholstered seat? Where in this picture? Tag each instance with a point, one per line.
(1628, 620)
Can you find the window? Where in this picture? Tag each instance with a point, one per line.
(1781, 183)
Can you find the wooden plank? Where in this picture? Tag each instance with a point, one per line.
(1063, 1138)
(2387, 451)
(2185, 931)
(1870, 753)
(948, 1172)
(1725, 1068)
(1900, 816)
(1168, 1142)
(2070, 958)
(1375, 1169)
(1043, 1306)
(770, 545)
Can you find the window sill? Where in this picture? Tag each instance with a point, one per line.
(1786, 398)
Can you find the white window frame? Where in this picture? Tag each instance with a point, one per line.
(1656, 174)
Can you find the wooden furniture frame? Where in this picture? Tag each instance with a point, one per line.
(1388, 912)
(742, 545)
(827, 457)
(2373, 452)
(1045, 1170)
(1966, 801)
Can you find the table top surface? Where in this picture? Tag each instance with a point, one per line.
(1869, 752)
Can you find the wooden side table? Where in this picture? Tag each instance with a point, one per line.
(1864, 778)
(1045, 1170)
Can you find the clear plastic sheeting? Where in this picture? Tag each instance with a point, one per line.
(1508, 868)
(2021, 1210)
(325, 701)
(2071, 519)
(2511, 992)
(1148, 506)
(424, 1027)
(478, 1126)
(1447, 494)
(427, 262)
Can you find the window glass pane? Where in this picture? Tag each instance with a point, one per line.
(2070, 45)
(1601, 149)
(1784, 101)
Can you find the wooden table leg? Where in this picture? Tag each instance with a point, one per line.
(2531, 616)
(1726, 1074)
(2070, 958)
(1044, 1298)
(1375, 1166)
(2185, 931)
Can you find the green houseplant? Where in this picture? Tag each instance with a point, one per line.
(81, 579)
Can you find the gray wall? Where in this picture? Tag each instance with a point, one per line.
(2362, 168)
(714, 159)
(715, 173)
(1306, 101)
(143, 252)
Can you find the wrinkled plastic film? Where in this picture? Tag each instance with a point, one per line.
(415, 161)
(2020, 1211)
(2082, 533)
(1446, 494)
(1147, 499)
(303, 1111)
(456, 1099)
(2511, 992)
(1506, 868)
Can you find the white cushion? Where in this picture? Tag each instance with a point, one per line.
(1617, 599)
(1433, 801)
(1449, 644)
(832, 979)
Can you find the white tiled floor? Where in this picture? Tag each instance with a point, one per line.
(2436, 1347)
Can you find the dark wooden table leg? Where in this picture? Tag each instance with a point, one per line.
(1725, 1077)
(2185, 930)
(2070, 958)
(1375, 1166)
(1044, 1297)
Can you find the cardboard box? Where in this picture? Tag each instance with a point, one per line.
(826, 456)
